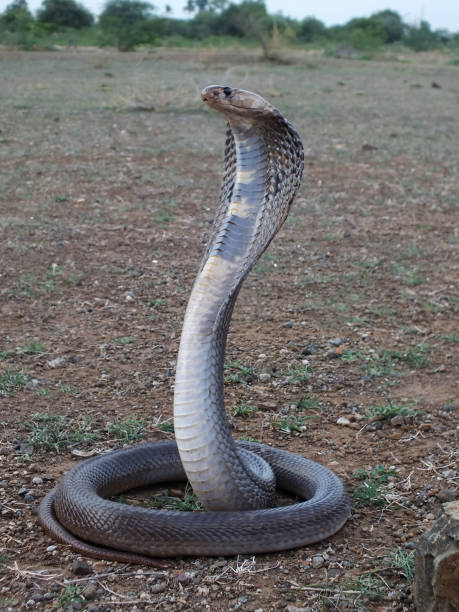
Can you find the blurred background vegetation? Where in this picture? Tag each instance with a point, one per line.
(127, 24)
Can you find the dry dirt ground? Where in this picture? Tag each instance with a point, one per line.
(343, 345)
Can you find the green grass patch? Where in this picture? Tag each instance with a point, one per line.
(126, 429)
(187, 503)
(388, 411)
(238, 372)
(453, 338)
(54, 432)
(303, 404)
(34, 348)
(68, 389)
(371, 490)
(291, 423)
(243, 409)
(12, 381)
(402, 561)
(298, 375)
(167, 426)
(71, 594)
(123, 341)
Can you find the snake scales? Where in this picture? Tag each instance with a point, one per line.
(235, 481)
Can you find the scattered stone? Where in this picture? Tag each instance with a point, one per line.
(336, 341)
(397, 420)
(92, 608)
(90, 592)
(343, 421)
(310, 349)
(56, 363)
(158, 588)
(37, 480)
(31, 384)
(369, 147)
(436, 576)
(129, 297)
(264, 377)
(435, 85)
(51, 548)
(29, 497)
(447, 495)
(288, 324)
(185, 577)
(80, 567)
(317, 561)
(374, 426)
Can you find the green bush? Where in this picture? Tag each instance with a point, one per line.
(17, 17)
(66, 13)
(421, 38)
(126, 23)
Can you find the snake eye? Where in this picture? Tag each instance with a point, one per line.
(227, 91)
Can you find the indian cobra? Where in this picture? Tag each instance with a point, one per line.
(235, 481)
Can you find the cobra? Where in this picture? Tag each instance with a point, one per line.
(235, 481)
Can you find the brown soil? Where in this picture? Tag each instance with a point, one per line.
(105, 205)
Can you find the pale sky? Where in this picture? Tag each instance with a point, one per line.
(441, 14)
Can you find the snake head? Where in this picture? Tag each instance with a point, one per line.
(237, 102)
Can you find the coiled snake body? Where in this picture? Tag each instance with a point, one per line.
(235, 481)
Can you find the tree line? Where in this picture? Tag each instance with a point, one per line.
(130, 23)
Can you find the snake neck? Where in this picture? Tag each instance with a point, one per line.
(222, 477)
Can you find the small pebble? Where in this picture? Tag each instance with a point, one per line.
(37, 480)
(397, 420)
(80, 567)
(90, 592)
(288, 324)
(158, 588)
(343, 421)
(336, 341)
(55, 363)
(447, 495)
(317, 561)
(185, 577)
(374, 426)
(264, 377)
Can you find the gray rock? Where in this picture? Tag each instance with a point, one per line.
(159, 587)
(436, 576)
(337, 341)
(80, 567)
(317, 561)
(374, 426)
(447, 495)
(288, 324)
(185, 577)
(90, 592)
(397, 420)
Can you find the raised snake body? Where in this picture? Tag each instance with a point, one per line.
(235, 481)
